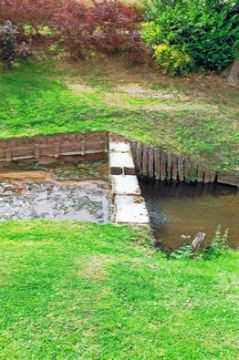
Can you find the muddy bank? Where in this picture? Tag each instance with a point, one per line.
(66, 192)
(52, 201)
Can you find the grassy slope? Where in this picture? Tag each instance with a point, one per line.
(181, 116)
(74, 291)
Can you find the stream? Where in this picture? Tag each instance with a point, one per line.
(80, 191)
(184, 209)
(66, 192)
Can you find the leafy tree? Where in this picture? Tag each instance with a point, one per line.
(78, 27)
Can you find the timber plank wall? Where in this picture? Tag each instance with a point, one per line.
(151, 162)
(86, 145)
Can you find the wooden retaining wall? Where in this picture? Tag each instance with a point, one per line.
(89, 145)
(157, 164)
(150, 162)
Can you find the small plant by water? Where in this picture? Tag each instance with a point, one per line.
(218, 245)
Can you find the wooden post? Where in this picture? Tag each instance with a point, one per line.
(157, 164)
(151, 162)
(83, 144)
(201, 173)
(138, 161)
(37, 151)
(181, 162)
(57, 150)
(8, 155)
(187, 170)
(199, 242)
(175, 168)
(213, 176)
(145, 159)
(207, 177)
(163, 165)
(107, 141)
(169, 166)
(133, 146)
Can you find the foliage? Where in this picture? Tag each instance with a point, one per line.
(192, 178)
(172, 61)
(73, 291)
(151, 33)
(219, 244)
(76, 26)
(29, 16)
(217, 247)
(11, 47)
(7, 44)
(184, 252)
(208, 31)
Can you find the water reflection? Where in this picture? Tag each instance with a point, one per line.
(184, 209)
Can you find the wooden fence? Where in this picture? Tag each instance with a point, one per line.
(157, 164)
(150, 161)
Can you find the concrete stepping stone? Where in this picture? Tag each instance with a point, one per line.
(121, 163)
(121, 147)
(125, 185)
(130, 210)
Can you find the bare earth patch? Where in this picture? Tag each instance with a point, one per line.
(137, 89)
(95, 268)
(161, 102)
(79, 88)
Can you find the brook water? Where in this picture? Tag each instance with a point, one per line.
(185, 209)
(62, 192)
(81, 192)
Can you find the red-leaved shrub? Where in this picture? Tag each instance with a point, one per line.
(72, 21)
(109, 26)
(34, 13)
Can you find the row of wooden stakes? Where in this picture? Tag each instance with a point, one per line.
(158, 164)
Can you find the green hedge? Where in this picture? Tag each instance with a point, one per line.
(206, 30)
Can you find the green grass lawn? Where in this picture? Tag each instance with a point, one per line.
(86, 291)
(183, 116)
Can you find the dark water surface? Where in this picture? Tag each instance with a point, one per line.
(185, 209)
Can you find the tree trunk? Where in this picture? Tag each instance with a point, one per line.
(233, 78)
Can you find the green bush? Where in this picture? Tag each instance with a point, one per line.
(151, 33)
(173, 61)
(207, 30)
(219, 244)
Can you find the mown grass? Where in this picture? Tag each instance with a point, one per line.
(34, 99)
(86, 291)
